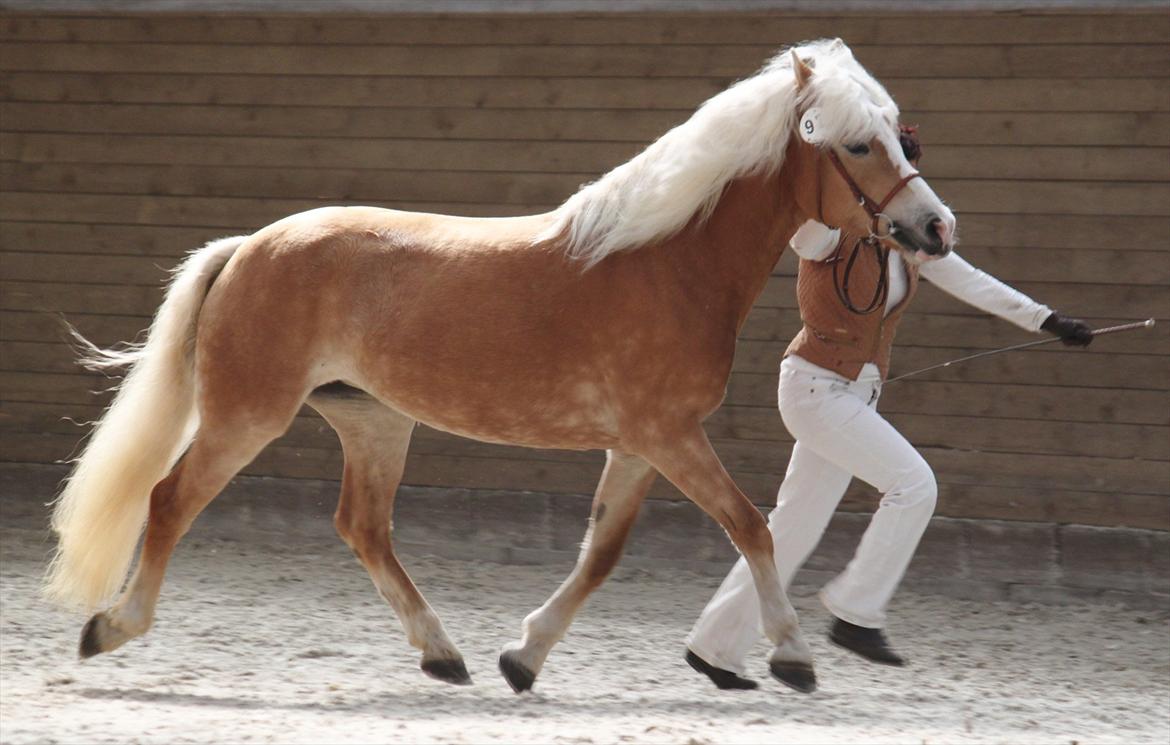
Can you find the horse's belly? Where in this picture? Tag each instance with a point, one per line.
(507, 415)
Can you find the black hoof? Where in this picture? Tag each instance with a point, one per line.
(796, 675)
(518, 676)
(724, 680)
(90, 643)
(448, 671)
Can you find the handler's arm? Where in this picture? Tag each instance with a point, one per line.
(955, 276)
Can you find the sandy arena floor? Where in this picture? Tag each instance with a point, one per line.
(290, 644)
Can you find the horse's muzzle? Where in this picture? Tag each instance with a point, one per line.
(933, 240)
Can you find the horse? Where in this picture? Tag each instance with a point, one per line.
(608, 323)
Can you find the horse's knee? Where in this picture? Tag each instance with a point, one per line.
(367, 541)
(747, 528)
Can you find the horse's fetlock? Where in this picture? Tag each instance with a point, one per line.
(792, 649)
(538, 625)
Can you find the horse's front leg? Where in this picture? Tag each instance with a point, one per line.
(620, 492)
(691, 464)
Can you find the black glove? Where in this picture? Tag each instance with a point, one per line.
(1072, 331)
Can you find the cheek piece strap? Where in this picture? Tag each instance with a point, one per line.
(881, 226)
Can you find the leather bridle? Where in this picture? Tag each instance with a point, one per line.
(875, 210)
(881, 227)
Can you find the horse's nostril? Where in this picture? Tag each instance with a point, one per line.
(938, 228)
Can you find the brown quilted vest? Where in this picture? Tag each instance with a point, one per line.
(834, 337)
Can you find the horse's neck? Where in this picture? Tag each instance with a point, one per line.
(737, 248)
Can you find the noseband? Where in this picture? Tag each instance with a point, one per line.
(880, 227)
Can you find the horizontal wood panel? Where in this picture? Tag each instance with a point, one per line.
(1039, 437)
(140, 245)
(126, 141)
(497, 155)
(650, 60)
(376, 92)
(505, 149)
(1006, 436)
(55, 231)
(1046, 187)
(975, 331)
(734, 29)
(106, 284)
(609, 124)
(524, 196)
(372, 182)
(955, 499)
(951, 466)
(999, 401)
(1037, 505)
(1093, 368)
(224, 216)
(1086, 299)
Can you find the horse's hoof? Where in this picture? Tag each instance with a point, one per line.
(518, 676)
(796, 675)
(449, 671)
(91, 637)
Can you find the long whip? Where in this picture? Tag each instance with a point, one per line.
(1095, 332)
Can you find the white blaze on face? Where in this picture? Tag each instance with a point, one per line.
(917, 202)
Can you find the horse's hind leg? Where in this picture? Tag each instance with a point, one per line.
(620, 492)
(218, 453)
(375, 439)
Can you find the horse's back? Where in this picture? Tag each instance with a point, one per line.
(389, 229)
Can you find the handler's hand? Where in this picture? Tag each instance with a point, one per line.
(1072, 331)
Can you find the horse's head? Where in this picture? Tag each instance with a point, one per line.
(859, 174)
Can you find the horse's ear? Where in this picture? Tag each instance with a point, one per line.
(803, 71)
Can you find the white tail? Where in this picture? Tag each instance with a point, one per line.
(103, 507)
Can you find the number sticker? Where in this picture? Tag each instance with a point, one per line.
(810, 127)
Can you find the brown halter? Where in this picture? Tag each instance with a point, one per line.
(881, 226)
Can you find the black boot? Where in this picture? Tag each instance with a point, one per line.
(723, 679)
(869, 643)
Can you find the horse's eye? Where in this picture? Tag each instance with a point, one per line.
(858, 150)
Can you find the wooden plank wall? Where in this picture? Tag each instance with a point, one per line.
(127, 140)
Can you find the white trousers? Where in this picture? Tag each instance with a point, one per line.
(839, 434)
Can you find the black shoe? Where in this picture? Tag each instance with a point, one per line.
(723, 679)
(869, 643)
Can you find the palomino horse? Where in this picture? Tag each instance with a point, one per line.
(608, 323)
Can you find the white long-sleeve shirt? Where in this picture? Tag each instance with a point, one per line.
(816, 242)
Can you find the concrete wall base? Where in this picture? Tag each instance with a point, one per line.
(994, 560)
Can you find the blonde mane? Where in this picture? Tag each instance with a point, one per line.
(743, 130)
